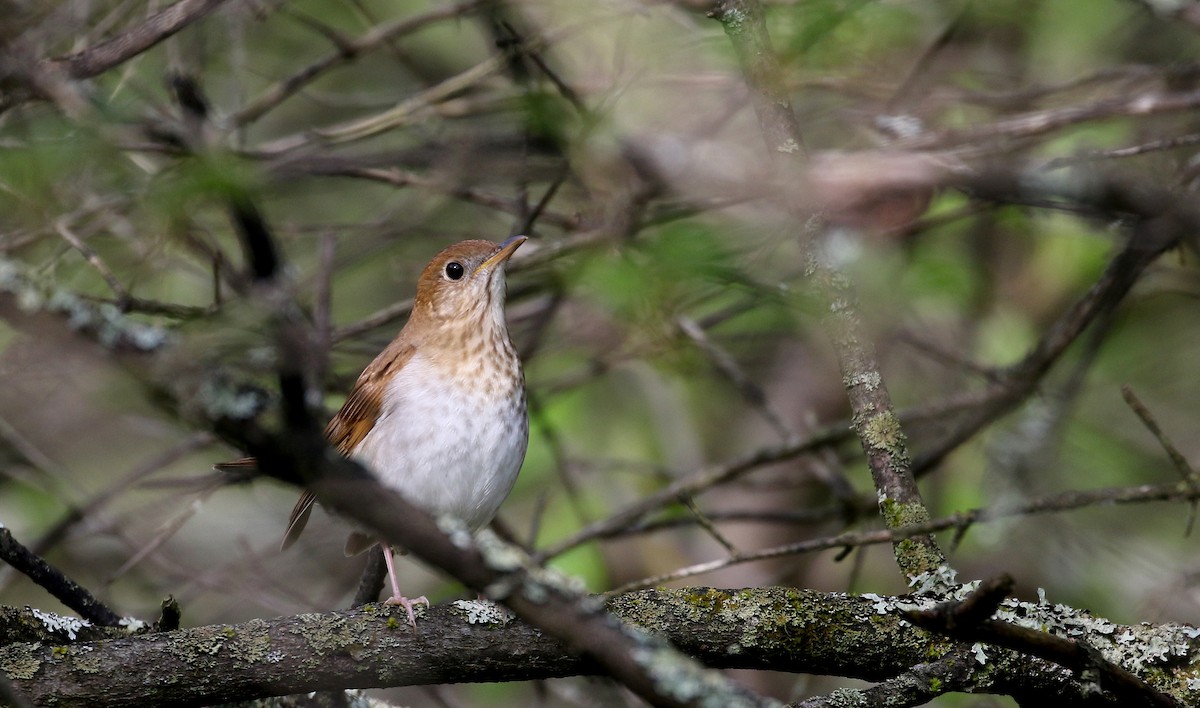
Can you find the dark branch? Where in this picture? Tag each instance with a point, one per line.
(261, 256)
(55, 582)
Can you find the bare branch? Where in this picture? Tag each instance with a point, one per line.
(132, 42)
(67, 591)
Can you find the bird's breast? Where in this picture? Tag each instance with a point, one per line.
(451, 439)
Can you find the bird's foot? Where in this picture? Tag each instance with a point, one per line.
(408, 605)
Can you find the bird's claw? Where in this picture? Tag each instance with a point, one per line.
(408, 605)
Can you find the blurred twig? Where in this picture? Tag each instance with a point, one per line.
(135, 40)
(1162, 221)
(345, 51)
(1186, 471)
(729, 368)
(960, 521)
(696, 483)
(80, 512)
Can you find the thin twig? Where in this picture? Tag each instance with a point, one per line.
(397, 177)
(399, 115)
(728, 367)
(345, 52)
(979, 137)
(323, 303)
(696, 483)
(1067, 501)
(1186, 471)
(1116, 153)
(80, 512)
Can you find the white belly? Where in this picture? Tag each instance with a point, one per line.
(446, 447)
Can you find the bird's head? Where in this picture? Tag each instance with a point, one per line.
(465, 284)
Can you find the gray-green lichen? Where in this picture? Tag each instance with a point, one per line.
(1148, 651)
(246, 643)
(456, 529)
(326, 636)
(771, 619)
(939, 580)
(871, 380)
(484, 612)
(105, 321)
(733, 20)
(517, 570)
(85, 659)
(883, 432)
(500, 556)
(899, 514)
(219, 398)
(20, 662)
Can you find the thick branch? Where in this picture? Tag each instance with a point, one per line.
(969, 619)
(767, 628)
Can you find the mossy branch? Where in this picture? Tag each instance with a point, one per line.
(782, 629)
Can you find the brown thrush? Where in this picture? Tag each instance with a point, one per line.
(440, 414)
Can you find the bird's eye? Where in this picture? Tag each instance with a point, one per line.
(454, 270)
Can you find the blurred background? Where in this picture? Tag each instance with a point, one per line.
(660, 306)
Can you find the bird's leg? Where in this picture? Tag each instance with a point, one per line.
(397, 598)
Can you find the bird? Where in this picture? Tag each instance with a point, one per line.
(440, 415)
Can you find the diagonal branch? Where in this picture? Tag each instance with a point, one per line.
(55, 582)
(345, 52)
(117, 50)
(875, 421)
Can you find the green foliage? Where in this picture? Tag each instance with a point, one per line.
(671, 268)
(828, 34)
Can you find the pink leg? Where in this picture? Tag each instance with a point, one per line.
(397, 598)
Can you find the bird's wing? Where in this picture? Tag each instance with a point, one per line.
(361, 409)
(346, 429)
(350, 426)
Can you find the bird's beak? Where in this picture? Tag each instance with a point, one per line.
(506, 249)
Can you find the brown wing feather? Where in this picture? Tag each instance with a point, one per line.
(298, 519)
(346, 429)
(356, 418)
(245, 463)
(361, 409)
